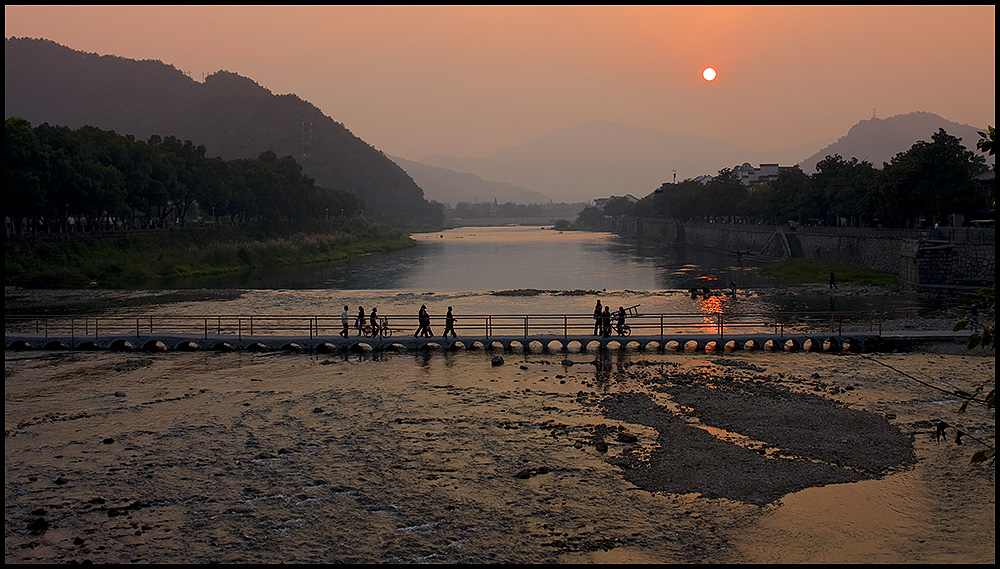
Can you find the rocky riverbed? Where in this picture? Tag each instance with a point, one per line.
(446, 458)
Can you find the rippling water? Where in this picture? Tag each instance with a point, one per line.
(489, 270)
(499, 258)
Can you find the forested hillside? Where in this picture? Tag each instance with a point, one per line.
(231, 116)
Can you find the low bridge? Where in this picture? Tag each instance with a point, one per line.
(718, 332)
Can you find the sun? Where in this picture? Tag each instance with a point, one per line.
(708, 74)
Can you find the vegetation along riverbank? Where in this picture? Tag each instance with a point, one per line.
(793, 272)
(129, 260)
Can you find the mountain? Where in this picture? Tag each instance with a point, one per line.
(450, 187)
(879, 140)
(598, 159)
(231, 115)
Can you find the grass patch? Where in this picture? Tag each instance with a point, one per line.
(126, 261)
(811, 271)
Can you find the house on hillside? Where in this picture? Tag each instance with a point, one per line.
(751, 176)
(599, 203)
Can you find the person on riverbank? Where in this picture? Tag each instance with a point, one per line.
(598, 314)
(449, 324)
(606, 322)
(344, 322)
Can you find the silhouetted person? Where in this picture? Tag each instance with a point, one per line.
(420, 321)
(606, 322)
(359, 322)
(344, 321)
(373, 320)
(833, 282)
(621, 320)
(598, 314)
(423, 322)
(449, 324)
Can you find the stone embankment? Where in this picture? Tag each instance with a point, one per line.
(921, 259)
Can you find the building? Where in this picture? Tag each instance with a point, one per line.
(600, 202)
(751, 176)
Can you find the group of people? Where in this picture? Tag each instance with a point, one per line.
(359, 320)
(603, 318)
(602, 322)
(423, 319)
(424, 324)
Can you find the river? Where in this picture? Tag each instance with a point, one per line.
(492, 270)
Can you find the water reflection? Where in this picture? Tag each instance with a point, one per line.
(499, 258)
(504, 271)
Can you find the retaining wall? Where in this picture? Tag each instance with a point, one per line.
(916, 260)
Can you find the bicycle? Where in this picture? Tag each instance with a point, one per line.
(625, 329)
(381, 330)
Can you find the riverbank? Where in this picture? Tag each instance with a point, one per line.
(158, 259)
(447, 458)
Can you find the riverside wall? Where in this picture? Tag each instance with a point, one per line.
(920, 259)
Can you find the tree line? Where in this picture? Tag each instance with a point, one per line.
(925, 184)
(56, 177)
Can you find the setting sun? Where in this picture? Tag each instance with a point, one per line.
(708, 74)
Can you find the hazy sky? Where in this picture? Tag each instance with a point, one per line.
(470, 80)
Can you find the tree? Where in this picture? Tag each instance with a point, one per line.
(985, 338)
(617, 206)
(845, 186)
(931, 179)
(986, 140)
(24, 162)
(725, 193)
(590, 216)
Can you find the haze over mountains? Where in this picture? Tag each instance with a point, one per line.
(600, 159)
(234, 117)
(450, 187)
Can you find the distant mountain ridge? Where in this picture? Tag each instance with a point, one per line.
(878, 141)
(231, 115)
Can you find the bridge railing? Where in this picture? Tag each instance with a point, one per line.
(720, 323)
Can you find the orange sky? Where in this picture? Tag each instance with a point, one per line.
(470, 80)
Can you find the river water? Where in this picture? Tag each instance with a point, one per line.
(513, 257)
(513, 270)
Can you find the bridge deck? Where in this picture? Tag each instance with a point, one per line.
(693, 342)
